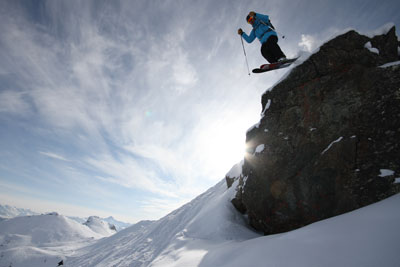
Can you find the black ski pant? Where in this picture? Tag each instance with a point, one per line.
(271, 50)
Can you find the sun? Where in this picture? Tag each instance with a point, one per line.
(223, 145)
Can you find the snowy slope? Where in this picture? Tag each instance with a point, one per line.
(204, 223)
(41, 240)
(209, 232)
(99, 226)
(366, 237)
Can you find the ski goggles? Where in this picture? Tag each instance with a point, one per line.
(250, 20)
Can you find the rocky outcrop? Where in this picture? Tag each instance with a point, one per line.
(328, 139)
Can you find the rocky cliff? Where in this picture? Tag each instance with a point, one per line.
(328, 139)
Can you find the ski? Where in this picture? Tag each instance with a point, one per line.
(274, 66)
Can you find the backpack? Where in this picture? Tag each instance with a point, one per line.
(269, 24)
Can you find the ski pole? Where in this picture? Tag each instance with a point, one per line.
(245, 56)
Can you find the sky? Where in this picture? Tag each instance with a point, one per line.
(133, 108)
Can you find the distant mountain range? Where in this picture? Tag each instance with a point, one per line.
(8, 212)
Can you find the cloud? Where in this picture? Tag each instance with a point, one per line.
(53, 155)
(13, 102)
(308, 42)
(169, 62)
(124, 95)
(128, 172)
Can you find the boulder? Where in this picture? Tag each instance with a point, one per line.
(326, 134)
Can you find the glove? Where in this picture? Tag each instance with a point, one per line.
(240, 31)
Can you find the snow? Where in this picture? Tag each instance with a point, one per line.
(397, 180)
(365, 237)
(208, 232)
(391, 64)
(41, 240)
(111, 220)
(99, 226)
(78, 219)
(260, 148)
(386, 172)
(236, 170)
(331, 144)
(368, 45)
(118, 224)
(184, 236)
(267, 106)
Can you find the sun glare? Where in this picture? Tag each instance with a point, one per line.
(224, 146)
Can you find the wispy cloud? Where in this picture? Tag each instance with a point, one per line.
(13, 102)
(53, 155)
(125, 97)
(130, 173)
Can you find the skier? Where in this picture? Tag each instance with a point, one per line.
(265, 32)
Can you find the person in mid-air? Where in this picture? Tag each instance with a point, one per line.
(265, 32)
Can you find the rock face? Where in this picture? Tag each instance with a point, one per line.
(328, 141)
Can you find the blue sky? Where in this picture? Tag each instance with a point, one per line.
(132, 108)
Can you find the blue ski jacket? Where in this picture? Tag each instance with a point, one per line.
(261, 29)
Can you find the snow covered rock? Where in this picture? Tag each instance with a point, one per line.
(234, 174)
(100, 226)
(303, 176)
(118, 224)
